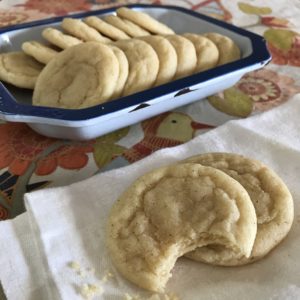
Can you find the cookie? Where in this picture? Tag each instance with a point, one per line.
(167, 58)
(172, 210)
(228, 50)
(144, 20)
(272, 201)
(105, 28)
(78, 77)
(126, 26)
(186, 55)
(143, 65)
(59, 39)
(82, 31)
(123, 72)
(40, 52)
(19, 69)
(207, 52)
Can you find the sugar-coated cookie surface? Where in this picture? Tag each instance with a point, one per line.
(186, 55)
(81, 76)
(127, 26)
(123, 72)
(82, 31)
(105, 28)
(228, 50)
(19, 69)
(167, 58)
(271, 198)
(144, 20)
(207, 52)
(172, 210)
(143, 65)
(59, 39)
(40, 52)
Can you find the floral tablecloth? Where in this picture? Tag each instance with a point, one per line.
(29, 161)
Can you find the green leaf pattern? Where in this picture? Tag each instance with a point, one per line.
(105, 148)
(232, 102)
(254, 10)
(280, 38)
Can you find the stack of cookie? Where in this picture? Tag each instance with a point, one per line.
(219, 208)
(96, 60)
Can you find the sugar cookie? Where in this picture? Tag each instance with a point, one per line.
(228, 50)
(19, 69)
(143, 65)
(82, 31)
(123, 72)
(128, 27)
(207, 52)
(105, 28)
(59, 39)
(40, 52)
(270, 196)
(170, 211)
(144, 20)
(186, 55)
(81, 76)
(167, 58)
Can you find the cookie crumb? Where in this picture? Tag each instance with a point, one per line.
(106, 276)
(110, 275)
(170, 297)
(74, 265)
(81, 273)
(152, 297)
(87, 291)
(132, 297)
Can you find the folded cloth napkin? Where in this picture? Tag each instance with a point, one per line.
(56, 249)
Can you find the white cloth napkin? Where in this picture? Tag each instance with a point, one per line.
(56, 249)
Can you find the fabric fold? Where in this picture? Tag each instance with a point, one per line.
(68, 225)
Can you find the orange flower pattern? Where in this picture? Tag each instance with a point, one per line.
(20, 146)
(8, 18)
(286, 57)
(57, 7)
(274, 22)
(18, 15)
(263, 89)
(267, 88)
